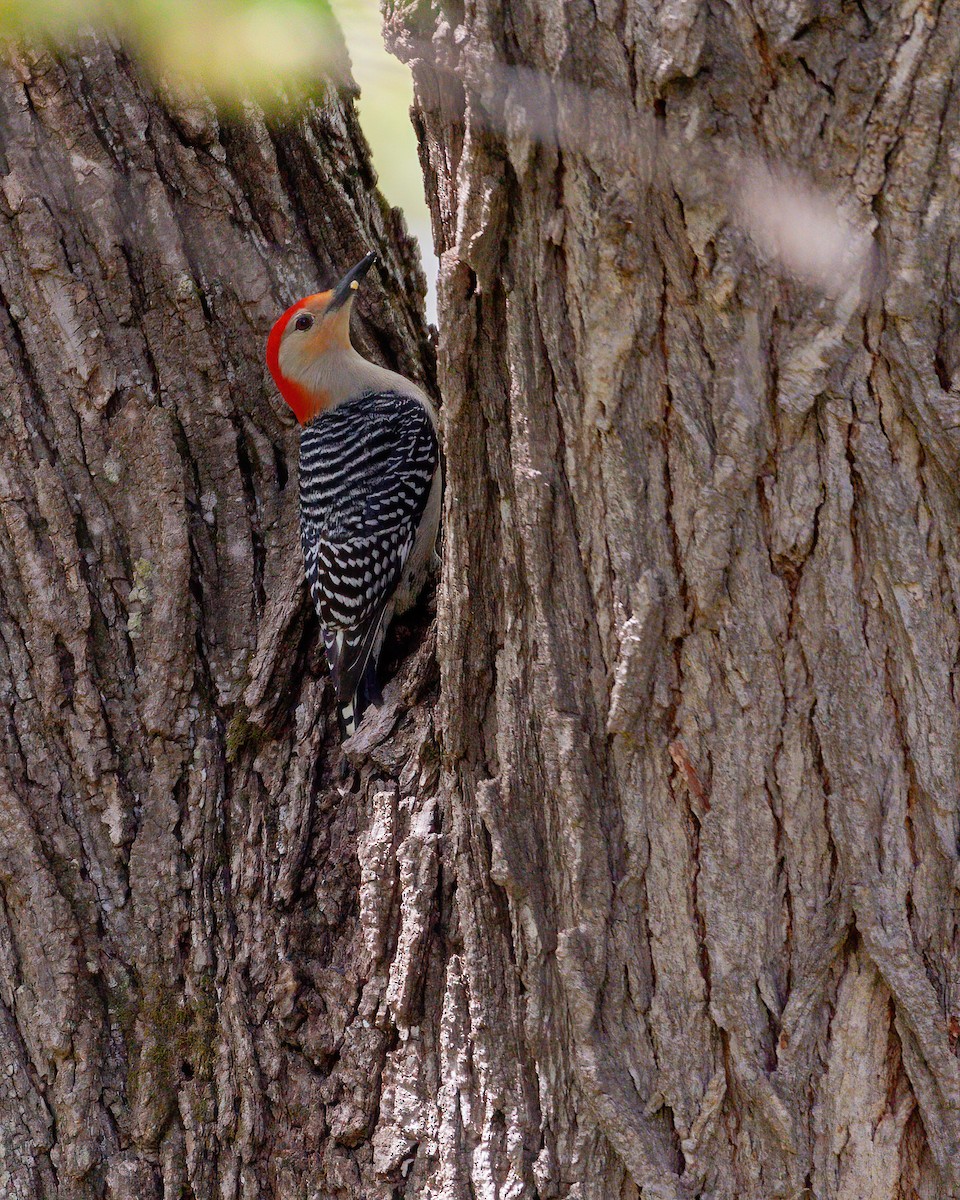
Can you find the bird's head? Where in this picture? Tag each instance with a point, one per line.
(305, 343)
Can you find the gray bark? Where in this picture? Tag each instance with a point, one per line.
(655, 895)
(698, 625)
(182, 1004)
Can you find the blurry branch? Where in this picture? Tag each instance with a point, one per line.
(813, 237)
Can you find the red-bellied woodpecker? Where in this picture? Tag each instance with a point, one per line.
(369, 484)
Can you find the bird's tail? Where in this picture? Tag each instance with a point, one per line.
(350, 712)
(352, 655)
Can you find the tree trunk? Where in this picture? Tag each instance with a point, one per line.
(698, 620)
(182, 962)
(658, 900)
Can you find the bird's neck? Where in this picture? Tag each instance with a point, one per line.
(340, 375)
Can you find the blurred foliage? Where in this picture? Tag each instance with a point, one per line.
(231, 48)
(265, 49)
(386, 93)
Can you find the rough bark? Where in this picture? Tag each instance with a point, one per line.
(182, 962)
(698, 623)
(659, 899)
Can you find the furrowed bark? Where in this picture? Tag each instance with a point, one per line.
(697, 626)
(649, 889)
(189, 949)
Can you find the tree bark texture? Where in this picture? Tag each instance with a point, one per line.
(182, 1010)
(698, 622)
(658, 899)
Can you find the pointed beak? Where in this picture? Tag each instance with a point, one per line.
(350, 282)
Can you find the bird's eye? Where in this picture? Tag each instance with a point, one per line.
(304, 321)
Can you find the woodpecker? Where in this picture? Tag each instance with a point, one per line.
(370, 484)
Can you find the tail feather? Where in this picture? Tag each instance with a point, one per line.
(352, 655)
(349, 716)
(350, 712)
(370, 684)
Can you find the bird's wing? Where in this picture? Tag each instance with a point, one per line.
(365, 475)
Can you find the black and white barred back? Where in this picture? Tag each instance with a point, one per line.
(366, 469)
